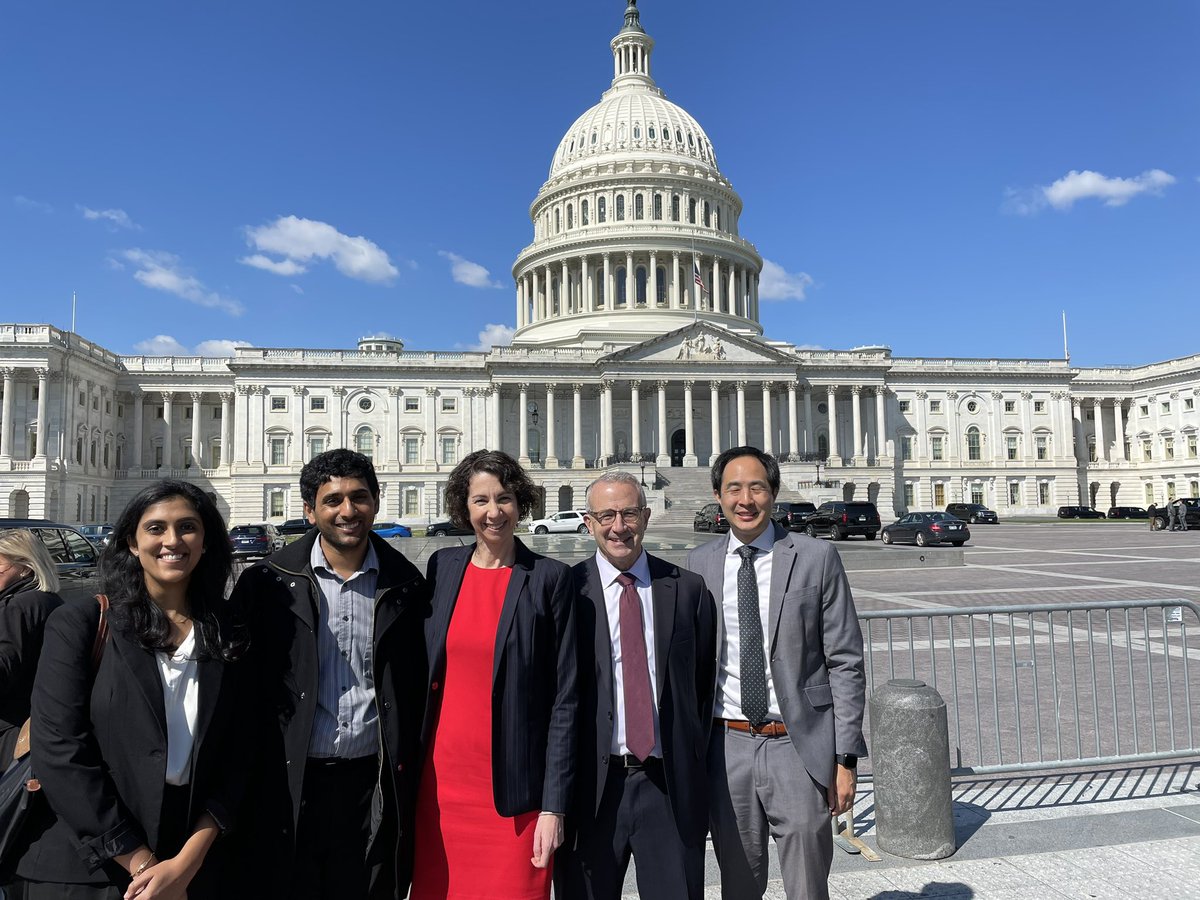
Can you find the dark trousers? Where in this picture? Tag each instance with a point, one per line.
(334, 827)
(635, 818)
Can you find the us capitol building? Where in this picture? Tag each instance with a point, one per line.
(638, 344)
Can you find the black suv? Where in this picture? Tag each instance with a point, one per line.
(1191, 514)
(1079, 512)
(974, 513)
(74, 555)
(841, 518)
(710, 519)
(1127, 512)
(794, 515)
(294, 526)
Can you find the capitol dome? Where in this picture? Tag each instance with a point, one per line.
(635, 231)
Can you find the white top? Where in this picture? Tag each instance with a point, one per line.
(612, 604)
(729, 680)
(181, 698)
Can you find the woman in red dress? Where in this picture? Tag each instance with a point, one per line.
(500, 721)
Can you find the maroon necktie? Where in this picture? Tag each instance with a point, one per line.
(635, 671)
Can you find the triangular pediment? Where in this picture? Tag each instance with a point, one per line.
(700, 342)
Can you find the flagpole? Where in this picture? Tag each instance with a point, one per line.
(72, 312)
(1066, 352)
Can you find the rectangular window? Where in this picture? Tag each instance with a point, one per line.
(411, 448)
(1168, 448)
(935, 448)
(1010, 406)
(214, 455)
(278, 404)
(1188, 403)
(158, 412)
(905, 406)
(158, 457)
(1041, 443)
(82, 399)
(276, 504)
(316, 445)
(120, 410)
(1010, 446)
(1014, 493)
(1039, 406)
(909, 495)
(278, 451)
(1149, 493)
(316, 404)
(1143, 411)
(1044, 493)
(1191, 446)
(216, 413)
(935, 406)
(96, 405)
(906, 447)
(939, 494)
(187, 412)
(107, 405)
(658, 206)
(449, 445)
(449, 404)
(412, 502)
(1166, 406)
(412, 404)
(1147, 450)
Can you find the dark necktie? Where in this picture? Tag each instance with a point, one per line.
(754, 673)
(635, 671)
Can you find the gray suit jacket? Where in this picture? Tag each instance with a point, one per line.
(816, 645)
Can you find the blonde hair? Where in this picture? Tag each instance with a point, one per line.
(22, 547)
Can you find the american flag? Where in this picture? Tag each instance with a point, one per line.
(699, 280)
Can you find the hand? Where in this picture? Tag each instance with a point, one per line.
(840, 794)
(547, 837)
(167, 880)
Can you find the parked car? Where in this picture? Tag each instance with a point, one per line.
(99, 535)
(447, 529)
(1191, 514)
(1127, 512)
(294, 526)
(1079, 512)
(793, 515)
(559, 523)
(924, 528)
(710, 519)
(74, 555)
(839, 519)
(262, 539)
(975, 513)
(391, 529)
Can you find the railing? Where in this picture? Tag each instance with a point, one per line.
(1050, 686)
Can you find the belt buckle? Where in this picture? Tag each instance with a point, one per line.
(632, 762)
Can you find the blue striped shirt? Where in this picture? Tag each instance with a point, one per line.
(346, 723)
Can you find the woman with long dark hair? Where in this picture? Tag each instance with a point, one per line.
(137, 759)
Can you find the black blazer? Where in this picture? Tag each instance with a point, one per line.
(533, 677)
(685, 644)
(23, 614)
(100, 750)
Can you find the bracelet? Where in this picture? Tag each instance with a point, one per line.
(146, 863)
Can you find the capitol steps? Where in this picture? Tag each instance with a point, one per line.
(686, 490)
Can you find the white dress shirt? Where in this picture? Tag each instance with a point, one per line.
(729, 681)
(612, 604)
(181, 700)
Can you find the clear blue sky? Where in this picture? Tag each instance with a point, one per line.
(944, 177)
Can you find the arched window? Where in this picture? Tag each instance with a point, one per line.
(639, 208)
(364, 441)
(666, 133)
(718, 218)
(658, 207)
(570, 216)
(583, 213)
(106, 456)
(600, 290)
(92, 453)
(640, 277)
(602, 209)
(822, 446)
(674, 207)
(620, 207)
(707, 215)
(973, 443)
(79, 450)
(651, 133)
(660, 287)
(637, 132)
(691, 210)
(620, 286)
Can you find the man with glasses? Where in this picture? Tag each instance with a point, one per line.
(790, 688)
(647, 645)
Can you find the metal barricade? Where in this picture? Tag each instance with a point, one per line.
(1050, 686)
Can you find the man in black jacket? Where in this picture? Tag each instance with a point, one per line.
(336, 622)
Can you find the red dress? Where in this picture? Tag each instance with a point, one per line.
(464, 848)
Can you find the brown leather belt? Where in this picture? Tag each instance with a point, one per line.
(766, 729)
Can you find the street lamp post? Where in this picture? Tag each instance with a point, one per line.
(643, 474)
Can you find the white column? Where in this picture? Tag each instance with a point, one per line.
(135, 455)
(1077, 430)
(535, 304)
(697, 294)
(523, 458)
(635, 442)
(167, 438)
(768, 444)
(548, 294)
(494, 431)
(577, 461)
(733, 297)
(652, 281)
(714, 398)
(689, 431)
(743, 297)
(395, 441)
(856, 419)
(551, 454)
(716, 284)
(1101, 444)
(610, 295)
(831, 401)
(607, 398)
(564, 291)
(793, 425)
(1118, 426)
(810, 434)
(630, 284)
(43, 426)
(226, 449)
(198, 454)
(880, 423)
(664, 445)
(675, 303)
(741, 412)
(954, 452)
(431, 435)
(1027, 426)
(6, 433)
(585, 283)
(520, 302)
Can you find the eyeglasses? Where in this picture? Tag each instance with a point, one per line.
(630, 516)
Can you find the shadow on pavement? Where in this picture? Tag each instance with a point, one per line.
(949, 890)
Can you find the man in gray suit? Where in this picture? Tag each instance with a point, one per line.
(790, 693)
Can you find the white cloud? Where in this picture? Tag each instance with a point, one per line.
(27, 203)
(1085, 185)
(114, 218)
(299, 241)
(162, 271)
(297, 289)
(165, 345)
(776, 283)
(493, 335)
(469, 273)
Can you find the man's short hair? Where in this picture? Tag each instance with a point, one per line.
(339, 463)
(768, 463)
(617, 477)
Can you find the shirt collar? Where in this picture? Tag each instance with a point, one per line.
(317, 560)
(764, 543)
(640, 570)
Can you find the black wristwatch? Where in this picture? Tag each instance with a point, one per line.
(849, 760)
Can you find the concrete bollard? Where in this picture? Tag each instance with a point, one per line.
(910, 764)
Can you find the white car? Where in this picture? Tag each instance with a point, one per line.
(571, 520)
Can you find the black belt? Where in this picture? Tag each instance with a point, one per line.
(629, 761)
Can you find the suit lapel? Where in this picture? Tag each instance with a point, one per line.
(593, 591)
(783, 560)
(516, 583)
(142, 664)
(662, 590)
(452, 567)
